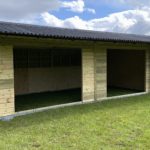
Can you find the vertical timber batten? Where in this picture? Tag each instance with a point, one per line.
(87, 75)
(6, 81)
(147, 78)
(100, 73)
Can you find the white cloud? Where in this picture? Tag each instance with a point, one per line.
(136, 3)
(91, 10)
(28, 10)
(52, 20)
(77, 6)
(131, 21)
(132, 4)
(18, 9)
(73, 22)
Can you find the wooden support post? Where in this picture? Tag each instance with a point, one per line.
(147, 69)
(6, 81)
(88, 75)
(100, 73)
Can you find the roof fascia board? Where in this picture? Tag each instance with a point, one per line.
(51, 42)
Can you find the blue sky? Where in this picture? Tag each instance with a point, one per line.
(123, 16)
(101, 8)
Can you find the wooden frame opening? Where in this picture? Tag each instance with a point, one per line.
(52, 76)
(125, 71)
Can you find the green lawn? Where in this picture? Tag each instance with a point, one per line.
(114, 124)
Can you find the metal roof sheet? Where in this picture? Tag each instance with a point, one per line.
(8, 28)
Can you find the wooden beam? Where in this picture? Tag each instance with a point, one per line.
(24, 41)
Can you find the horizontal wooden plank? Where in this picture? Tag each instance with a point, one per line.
(6, 84)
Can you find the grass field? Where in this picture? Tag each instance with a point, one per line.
(109, 125)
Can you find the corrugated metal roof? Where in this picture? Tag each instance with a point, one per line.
(8, 28)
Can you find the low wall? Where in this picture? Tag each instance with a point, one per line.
(35, 80)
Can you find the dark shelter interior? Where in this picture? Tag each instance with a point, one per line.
(125, 71)
(46, 76)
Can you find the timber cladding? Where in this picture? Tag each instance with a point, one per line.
(87, 75)
(147, 66)
(6, 81)
(100, 73)
(94, 75)
(36, 80)
(93, 46)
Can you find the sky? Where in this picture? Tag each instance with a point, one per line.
(122, 16)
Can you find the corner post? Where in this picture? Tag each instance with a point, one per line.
(6, 81)
(147, 71)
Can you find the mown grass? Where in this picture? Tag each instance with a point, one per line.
(115, 124)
